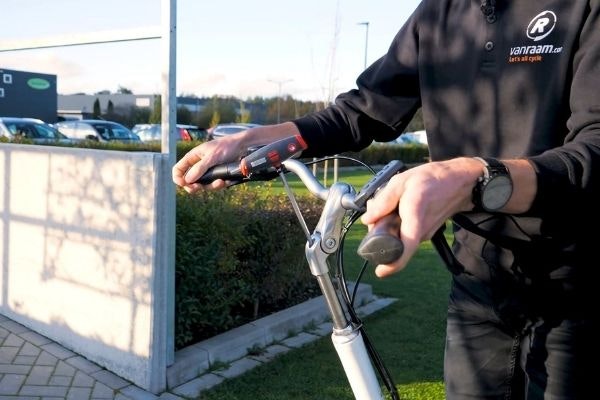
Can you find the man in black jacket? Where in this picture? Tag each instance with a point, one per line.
(511, 104)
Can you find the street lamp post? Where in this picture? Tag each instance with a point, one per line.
(279, 83)
(366, 24)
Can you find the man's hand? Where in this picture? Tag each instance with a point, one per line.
(224, 150)
(197, 161)
(425, 197)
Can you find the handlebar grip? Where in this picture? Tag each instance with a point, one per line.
(229, 172)
(382, 244)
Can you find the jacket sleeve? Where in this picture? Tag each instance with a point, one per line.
(569, 176)
(380, 109)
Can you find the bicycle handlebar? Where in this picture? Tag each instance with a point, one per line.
(381, 245)
(229, 172)
(262, 162)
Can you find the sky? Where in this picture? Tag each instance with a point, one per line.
(309, 49)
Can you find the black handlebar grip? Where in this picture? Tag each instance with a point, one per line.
(229, 171)
(382, 244)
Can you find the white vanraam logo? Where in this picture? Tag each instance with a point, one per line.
(541, 25)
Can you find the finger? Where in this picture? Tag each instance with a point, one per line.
(192, 188)
(411, 236)
(218, 184)
(183, 165)
(195, 172)
(214, 185)
(384, 203)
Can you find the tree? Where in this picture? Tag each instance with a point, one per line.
(110, 108)
(124, 90)
(244, 115)
(138, 115)
(156, 114)
(215, 119)
(184, 116)
(218, 110)
(96, 110)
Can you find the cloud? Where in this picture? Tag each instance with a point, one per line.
(44, 63)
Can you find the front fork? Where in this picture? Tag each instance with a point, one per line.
(347, 338)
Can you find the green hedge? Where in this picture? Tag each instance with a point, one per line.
(240, 256)
(240, 252)
(381, 154)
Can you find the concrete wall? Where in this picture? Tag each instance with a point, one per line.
(81, 257)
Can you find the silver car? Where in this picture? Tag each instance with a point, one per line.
(98, 130)
(228, 129)
(30, 128)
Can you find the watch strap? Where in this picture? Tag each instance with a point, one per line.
(493, 167)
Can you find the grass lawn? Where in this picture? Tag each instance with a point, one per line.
(409, 335)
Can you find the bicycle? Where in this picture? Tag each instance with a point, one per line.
(343, 206)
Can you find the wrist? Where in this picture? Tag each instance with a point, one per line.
(466, 172)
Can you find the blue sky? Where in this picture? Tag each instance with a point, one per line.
(224, 47)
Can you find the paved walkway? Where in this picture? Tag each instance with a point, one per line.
(33, 367)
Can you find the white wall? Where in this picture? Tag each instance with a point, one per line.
(81, 257)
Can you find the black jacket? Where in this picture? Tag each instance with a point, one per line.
(523, 82)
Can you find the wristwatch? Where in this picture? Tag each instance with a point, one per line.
(494, 188)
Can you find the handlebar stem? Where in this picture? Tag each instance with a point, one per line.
(325, 241)
(317, 261)
(330, 223)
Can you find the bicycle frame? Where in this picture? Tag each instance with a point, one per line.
(324, 241)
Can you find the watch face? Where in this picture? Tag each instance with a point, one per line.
(496, 192)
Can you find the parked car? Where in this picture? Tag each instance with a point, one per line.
(152, 132)
(30, 128)
(419, 137)
(416, 137)
(228, 129)
(95, 129)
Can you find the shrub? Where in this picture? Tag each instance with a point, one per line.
(240, 256)
(381, 154)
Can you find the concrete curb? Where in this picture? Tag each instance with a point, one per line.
(275, 335)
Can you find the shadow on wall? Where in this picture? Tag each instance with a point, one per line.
(77, 247)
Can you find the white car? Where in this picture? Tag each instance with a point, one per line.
(228, 129)
(153, 133)
(416, 137)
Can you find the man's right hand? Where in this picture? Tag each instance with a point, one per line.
(227, 149)
(197, 161)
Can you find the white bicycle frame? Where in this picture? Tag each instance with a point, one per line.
(324, 241)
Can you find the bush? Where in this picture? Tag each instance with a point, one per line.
(381, 154)
(240, 256)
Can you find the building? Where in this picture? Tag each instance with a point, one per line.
(28, 94)
(77, 106)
